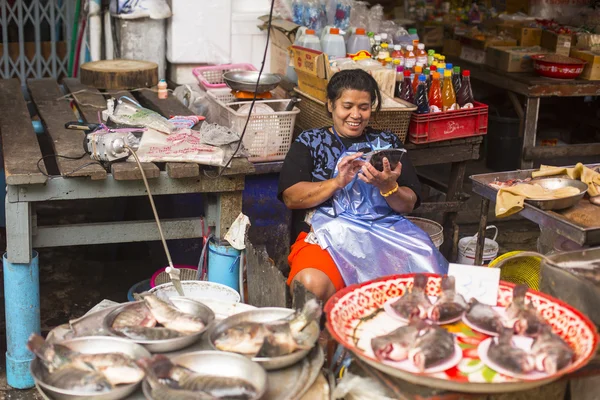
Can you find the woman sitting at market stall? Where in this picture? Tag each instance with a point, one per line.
(357, 208)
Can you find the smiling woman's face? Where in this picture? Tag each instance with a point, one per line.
(351, 112)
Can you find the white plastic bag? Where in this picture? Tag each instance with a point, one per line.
(128, 112)
(134, 9)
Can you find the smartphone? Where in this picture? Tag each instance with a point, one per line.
(375, 158)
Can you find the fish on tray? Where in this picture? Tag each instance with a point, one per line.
(415, 302)
(67, 367)
(271, 339)
(170, 317)
(551, 353)
(505, 354)
(218, 387)
(145, 333)
(395, 345)
(450, 305)
(525, 317)
(433, 346)
(484, 317)
(136, 315)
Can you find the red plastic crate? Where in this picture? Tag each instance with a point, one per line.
(435, 127)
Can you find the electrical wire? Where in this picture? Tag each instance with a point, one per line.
(67, 158)
(160, 231)
(262, 66)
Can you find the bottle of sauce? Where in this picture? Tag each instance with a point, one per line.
(435, 94)
(397, 54)
(410, 60)
(421, 55)
(383, 53)
(376, 47)
(448, 95)
(430, 54)
(163, 92)
(465, 94)
(406, 90)
(415, 82)
(421, 99)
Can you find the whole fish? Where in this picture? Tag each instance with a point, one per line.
(484, 317)
(527, 320)
(216, 386)
(72, 378)
(144, 333)
(503, 352)
(53, 356)
(117, 368)
(550, 351)
(395, 345)
(414, 302)
(433, 346)
(170, 317)
(136, 315)
(450, 305)
(161, 391)
(271, 339)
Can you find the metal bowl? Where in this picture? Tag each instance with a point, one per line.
(557, 183)
(197, 290)
(218, 363)
(261, 315)
(92, 345)
(245, 81)
(185, 305)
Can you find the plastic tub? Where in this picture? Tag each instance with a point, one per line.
(432, 228)
(211, 77)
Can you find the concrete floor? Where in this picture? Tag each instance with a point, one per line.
(75, 279)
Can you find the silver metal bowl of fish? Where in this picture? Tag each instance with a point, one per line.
(183, 322)
(559, 203)
(245, 81)
(216, 374)
(273, 337)
(90, 368)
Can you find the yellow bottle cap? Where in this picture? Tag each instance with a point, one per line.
(388, 59)
(397, 62)
(384, 45)
(448, 73)
(442, 65)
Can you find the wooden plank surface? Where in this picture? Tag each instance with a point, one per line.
(444, 154)
(573, 150)
(54, 113)
(90, 102)
(20, 146)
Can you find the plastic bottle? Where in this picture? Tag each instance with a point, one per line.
(399, 78)
(310, 40)
(412, 32)
(406, 90)
(421, 55)
(333, 44)
(389, 63)
(421, 98)
(386, 39)
(163, 93)
(465, 94)
(359, 46)
(430, 54)
(432, 69)
(448, 95)
(409, 57)
(376, 47)
(383, 53)
(397, 54)
(435, 94)
(441, 71)
(415, 82)
(456, 81)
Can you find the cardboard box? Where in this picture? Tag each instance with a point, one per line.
(512, 59)
(432, 36)
(525, 37)
(482, 44)
(452, 47)
(559, 44)
(470, 54)
(591, 71)
(312, 68)
(283, 34)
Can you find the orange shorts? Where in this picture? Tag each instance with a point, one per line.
(306, 255)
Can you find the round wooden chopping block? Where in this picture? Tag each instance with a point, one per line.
(119, 74)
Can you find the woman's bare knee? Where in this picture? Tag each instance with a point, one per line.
(315, 281)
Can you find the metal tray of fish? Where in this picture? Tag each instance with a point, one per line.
(229, 375)
(183, 304)
(265, 315)
(91, 345)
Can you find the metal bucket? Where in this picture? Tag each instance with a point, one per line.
(432, 228)
(467, 246)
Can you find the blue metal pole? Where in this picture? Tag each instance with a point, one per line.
(22, 308)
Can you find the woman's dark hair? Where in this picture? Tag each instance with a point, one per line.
(353, 79)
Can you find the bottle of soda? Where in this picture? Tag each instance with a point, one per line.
(421, 96)
(406, 90)
(456, 81)
(430, 54)
(415, 82)
(465, 94)
(435, 94)
(399, 78)
(448, 95)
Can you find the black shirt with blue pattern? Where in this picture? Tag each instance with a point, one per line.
(314, 154)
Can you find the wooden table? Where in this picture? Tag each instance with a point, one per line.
(533, 88)
(30, 180)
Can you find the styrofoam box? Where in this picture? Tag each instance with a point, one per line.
(247, 41)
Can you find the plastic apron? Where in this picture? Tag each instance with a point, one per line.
(367, 239)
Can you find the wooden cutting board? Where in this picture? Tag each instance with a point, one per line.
(119, 74)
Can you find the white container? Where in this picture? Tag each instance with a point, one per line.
(333, 44)
(247, 41)
(358, 42)
(468, 245)
(136, 34)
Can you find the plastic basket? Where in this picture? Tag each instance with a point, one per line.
(188, 273)
(314, 115)
(522, 270)
(211, 77)
(435, 127)
(268, 136)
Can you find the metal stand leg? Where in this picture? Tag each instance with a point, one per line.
(221, 210)
(530, 129)
(455, 185)
(485, 206)
(21, 293)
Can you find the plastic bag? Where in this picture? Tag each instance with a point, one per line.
(128, 112)
(359, 15)
(314, 15)
(353, 387)
(339, 12)
(134, 9)
(374, 18)
(298, 11)
(283, 9)
(191, 96)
